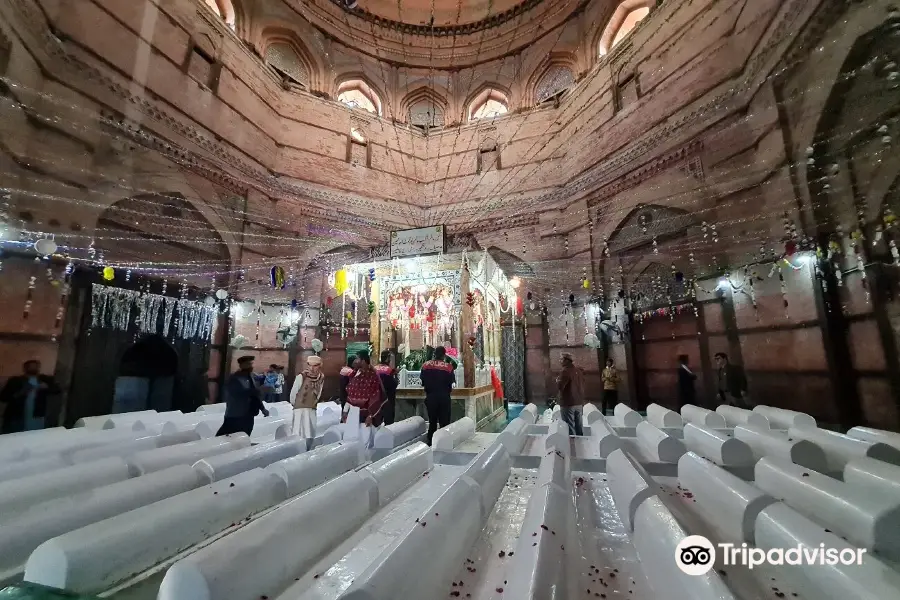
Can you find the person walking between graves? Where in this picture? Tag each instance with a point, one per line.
(243, 400)
(389, 381)
(686, 379)
(279, 383)
(437, 380)
(23, 401)
(732, 382)
(366, 392)
(610, 378)
(571, 394)
(271, 383)
(304, 397)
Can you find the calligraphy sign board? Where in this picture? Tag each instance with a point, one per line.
(417, 242)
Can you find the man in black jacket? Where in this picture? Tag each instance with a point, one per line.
(732, 382)
(437, 379)
(686, 378)
(243, 400)
(23, 401)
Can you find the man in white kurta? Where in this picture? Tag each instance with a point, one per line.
(305, 395)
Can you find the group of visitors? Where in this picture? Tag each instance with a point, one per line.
(731, 387)
(371, 389)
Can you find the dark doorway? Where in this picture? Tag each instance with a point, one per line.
(147, 375)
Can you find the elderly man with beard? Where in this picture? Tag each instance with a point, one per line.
(305, 395)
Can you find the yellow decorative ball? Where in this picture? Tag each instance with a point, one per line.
(585, 284)
(341, 284)
(109, 273)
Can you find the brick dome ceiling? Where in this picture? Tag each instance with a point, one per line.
(439, 13)
(402, 33)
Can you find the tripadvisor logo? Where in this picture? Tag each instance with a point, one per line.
(696, 555)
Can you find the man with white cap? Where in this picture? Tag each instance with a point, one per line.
(305, 395)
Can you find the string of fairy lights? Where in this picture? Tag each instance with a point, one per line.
(706, 249)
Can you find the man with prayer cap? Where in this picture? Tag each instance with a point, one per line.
(243, 399)
(305, 395)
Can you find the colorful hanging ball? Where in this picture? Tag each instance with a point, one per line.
(571, 298)
(528, 295)
(109, 273)
(371, 274)
(329, 301)
(371, 307)
(679, 276)
(585, 283)
(294, 304)
(221, 294)
(790, 248)
(341, 284)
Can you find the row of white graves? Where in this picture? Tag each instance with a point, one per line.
(85, 510)
(602, 515)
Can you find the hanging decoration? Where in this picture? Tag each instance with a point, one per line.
(277, 277)
(341, 284)
(286, 335)
(371, 307)
(238, 341)
(29, 297)
(45, 246)
(665, 311)
(112, 308)
(784, 292)
(316, 345)
(109, 274)
(372, 274)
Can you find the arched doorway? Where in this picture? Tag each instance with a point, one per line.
(156, 237)
(147, 375)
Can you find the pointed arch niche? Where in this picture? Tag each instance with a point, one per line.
(556, 78)
(289, 57)
(166, 228)
(356, 93)
(425, 109)
(488, 104)
(624, 19)
(646, 223)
